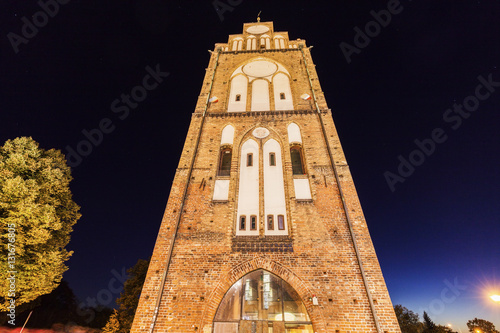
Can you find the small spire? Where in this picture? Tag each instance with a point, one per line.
(258, 16)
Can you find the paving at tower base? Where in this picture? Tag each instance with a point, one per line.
(263, 230)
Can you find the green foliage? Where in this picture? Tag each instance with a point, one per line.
(129, 298)
(481, 326)
(430, 327)
(408, 320)
(36, 218)
(113, 325)
(409, 323)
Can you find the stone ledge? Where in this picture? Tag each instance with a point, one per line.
(258, 113)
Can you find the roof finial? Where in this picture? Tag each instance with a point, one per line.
(258, 16)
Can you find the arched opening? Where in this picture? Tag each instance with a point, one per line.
(282, 92)
(263, 301)
(297, 160)
(238, 94)
(225, 162)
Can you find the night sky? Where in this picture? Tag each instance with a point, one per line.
(439, 227)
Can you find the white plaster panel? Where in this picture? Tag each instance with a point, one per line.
(294, 133)
(239, 86)
(221, 189)
(302, 189)
(227, 135)
(257, 29)
(260, 95)
(260, 68)
(248, 193)
(274, 188)
(281, 84)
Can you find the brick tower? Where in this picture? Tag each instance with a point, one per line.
(263, 230)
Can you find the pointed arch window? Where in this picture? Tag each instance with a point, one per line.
(279, 42)
(223, 171)
(251, 43)
(225, 162)
(300, 180)
(297, 160)
(237, 44)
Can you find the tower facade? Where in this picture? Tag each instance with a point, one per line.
(263, 230)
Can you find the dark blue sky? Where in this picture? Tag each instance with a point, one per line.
(438, 229)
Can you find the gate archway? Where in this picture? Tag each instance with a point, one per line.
(262, 302)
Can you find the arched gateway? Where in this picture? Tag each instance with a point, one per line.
(262, 302)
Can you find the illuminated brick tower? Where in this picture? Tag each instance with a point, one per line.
(263, 230)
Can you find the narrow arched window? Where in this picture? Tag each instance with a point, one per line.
(270, 222)
(272, 159)
(253, 222)
(250, 159)
(282, 96)
(225, 162)
(242, 222)
(281, 222)
(238, 98)
(297, 160)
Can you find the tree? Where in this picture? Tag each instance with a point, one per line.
(113, 325)
(481, 325)
(37, 213)
(429, 326)
(407, 319)
(129, 297)
(57, 307)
